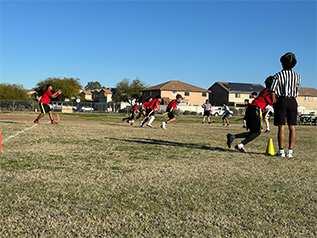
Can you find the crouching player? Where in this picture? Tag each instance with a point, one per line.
(171, 110)
(133, 110)
(253, 118)
(45, 100)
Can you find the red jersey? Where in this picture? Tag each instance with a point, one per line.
(46, 97)
(263, 99)
(145, 105)
(153, 104)
(134, 108)
(171, 105)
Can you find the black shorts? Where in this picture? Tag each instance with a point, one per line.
(207, 113)
(171, 115)
(226, 115)
(285, 108)
(149, 112)
(253, 118)
(45, 108)
(269, 114)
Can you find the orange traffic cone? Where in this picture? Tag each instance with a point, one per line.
(270, 148)
(57, 116)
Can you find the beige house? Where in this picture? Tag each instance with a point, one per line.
(233, 94)
(307, 97)
(192, 95)
(97, 95)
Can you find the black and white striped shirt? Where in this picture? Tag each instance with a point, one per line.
(285, 84)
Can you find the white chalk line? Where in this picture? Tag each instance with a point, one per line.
(18, 133)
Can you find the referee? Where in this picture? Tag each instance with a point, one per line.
(285, 89)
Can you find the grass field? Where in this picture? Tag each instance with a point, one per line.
(93, 176)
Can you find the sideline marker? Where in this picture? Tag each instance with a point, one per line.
(57, 115)
(270, 148)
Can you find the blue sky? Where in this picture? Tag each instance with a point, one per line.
(197, 42)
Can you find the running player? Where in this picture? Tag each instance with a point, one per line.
(143, 108)
(226, 114)
(150, 110)
(45, 100)
(171, 110)
(253, 117)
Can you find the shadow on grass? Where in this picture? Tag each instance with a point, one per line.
(9, 122)
(178, 144)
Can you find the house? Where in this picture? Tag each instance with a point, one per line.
(97, 95)
(307, 97)
(192, 95)
(233, 94)
(86, 94)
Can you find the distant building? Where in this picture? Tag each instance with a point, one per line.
(97, 95)
(307, 97)
(193, 96)
(233, 94)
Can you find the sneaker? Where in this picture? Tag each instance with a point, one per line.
(289, 153)
(54, 122)
(132, 122)
(230, 139)
(240, 147)
(267, 131)
(280, 153)
(163, 126)
(202, 122)
(227, 125)
(223, 124)
(209, 122)
(36, 121)
(141, 124)
(149, 125)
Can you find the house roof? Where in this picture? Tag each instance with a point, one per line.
(96, 91)
(176, 85)
(307, 92)
(87, 92)
(239, 87)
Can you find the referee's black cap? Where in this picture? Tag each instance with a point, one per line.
(288, 60)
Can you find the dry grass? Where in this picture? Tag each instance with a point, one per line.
(100, 177)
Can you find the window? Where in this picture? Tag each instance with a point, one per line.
(186, 93)
(315, 98)
(174, 93)
(150, 93)
(204, 94)
(306, 98)
(238, 95)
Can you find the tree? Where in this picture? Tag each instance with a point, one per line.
(93, 85)
(13, 92)
(70, 87)
(128, 91)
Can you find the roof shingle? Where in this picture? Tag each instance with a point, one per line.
(177, 86)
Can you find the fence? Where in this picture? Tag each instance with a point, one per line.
(57, 106)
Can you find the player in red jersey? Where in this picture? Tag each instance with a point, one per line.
(171, 110)
(150, 110)
(143, 108)
(133, 110)
(45, 100)
(253, 117)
